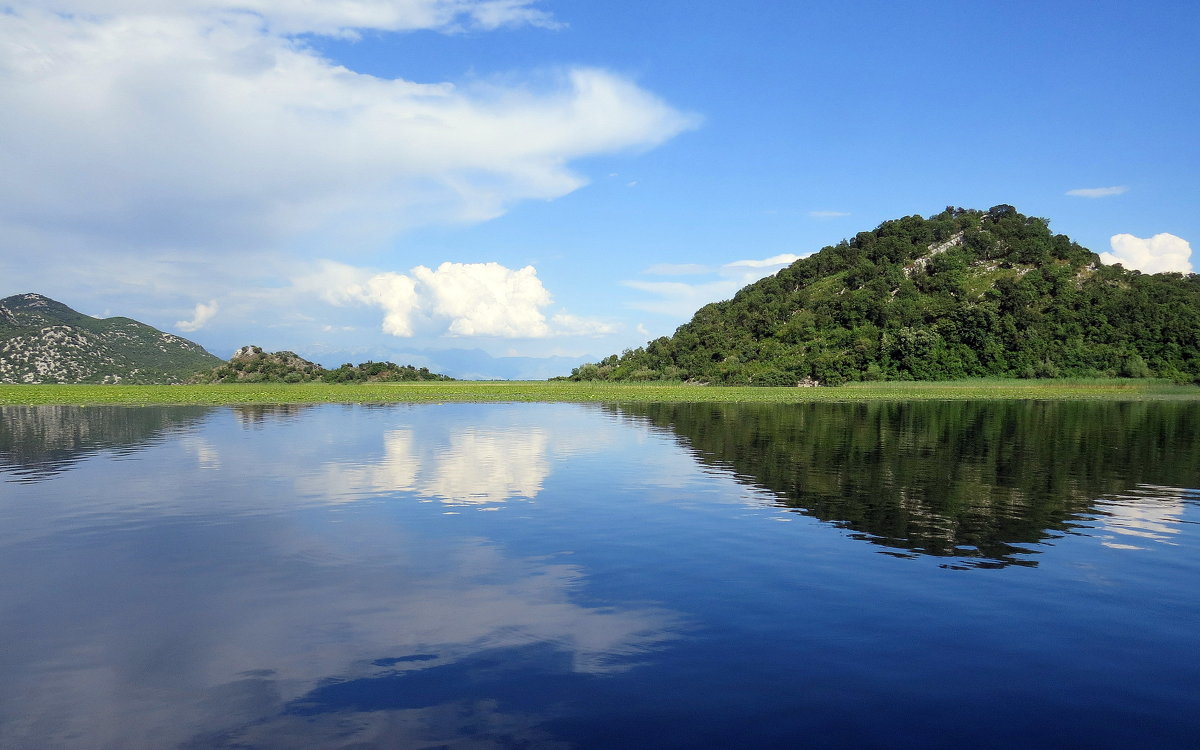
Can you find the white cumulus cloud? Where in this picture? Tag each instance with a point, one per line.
(1100, 192)
(454, 299)
(1162, 252)
(487, 299)
(200, 316)
(397, 295)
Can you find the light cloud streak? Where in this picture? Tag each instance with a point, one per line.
(678, 269)
(328, 17)
(681, 299)
(774, 263)
(1100, 192)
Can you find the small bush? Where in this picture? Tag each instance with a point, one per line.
(1135, 367)
(774, 379)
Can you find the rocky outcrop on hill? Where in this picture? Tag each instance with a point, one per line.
(250, 364)
(44, 341)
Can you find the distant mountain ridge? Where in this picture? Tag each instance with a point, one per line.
(44, 341)
(964, 293)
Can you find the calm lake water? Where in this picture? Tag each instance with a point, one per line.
(927, 575)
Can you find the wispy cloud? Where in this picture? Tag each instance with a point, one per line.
(1100, 192)
(330, 17)
(680, 299)
(565, 324)
(1162, 252)
(678, 269)
(775, 262)
(827, 214)
(200, 316)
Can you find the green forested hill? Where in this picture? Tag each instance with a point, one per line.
(963, 293)
(44, 341)
(251, 364)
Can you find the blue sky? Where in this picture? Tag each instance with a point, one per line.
(510, 187)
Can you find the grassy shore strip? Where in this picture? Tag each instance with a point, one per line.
(271, 393)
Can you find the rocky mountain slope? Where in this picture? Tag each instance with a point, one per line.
(963, 293)
(44, 341)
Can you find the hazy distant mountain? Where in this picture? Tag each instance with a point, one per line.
(44, 341)
(964, 293)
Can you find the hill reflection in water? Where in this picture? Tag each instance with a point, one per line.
(37, 442)
(984, 482)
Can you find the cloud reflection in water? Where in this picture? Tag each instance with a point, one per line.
(1142, 516)
(231, 614)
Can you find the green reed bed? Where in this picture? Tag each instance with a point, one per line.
(271, 393)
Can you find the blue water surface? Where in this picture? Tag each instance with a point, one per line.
(990, 575)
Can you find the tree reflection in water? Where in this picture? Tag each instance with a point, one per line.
(980, 481)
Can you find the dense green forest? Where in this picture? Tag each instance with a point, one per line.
(964, 293)
(251, 364)
(380, 372)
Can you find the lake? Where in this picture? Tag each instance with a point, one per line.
(886, 575)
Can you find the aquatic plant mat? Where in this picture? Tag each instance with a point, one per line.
(272, 393)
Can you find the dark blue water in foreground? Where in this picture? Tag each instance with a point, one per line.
(1003, 575)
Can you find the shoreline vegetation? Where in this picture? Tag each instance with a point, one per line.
(1111, 389)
